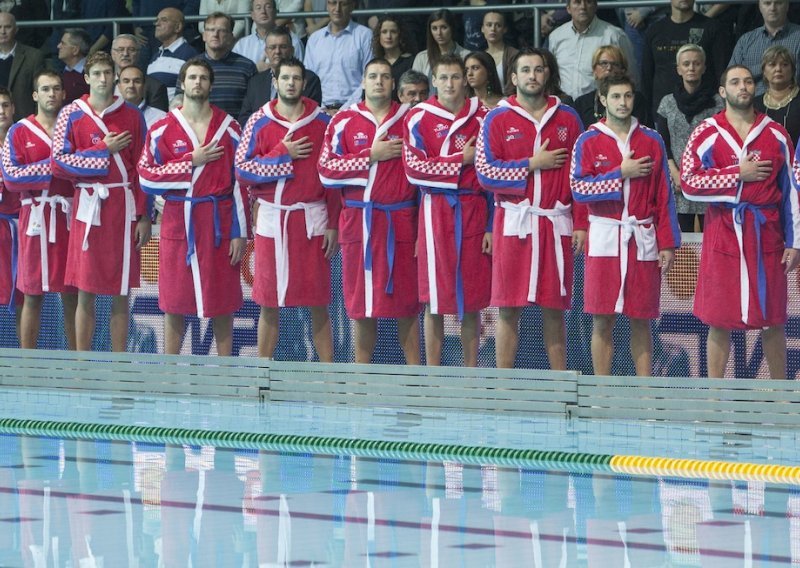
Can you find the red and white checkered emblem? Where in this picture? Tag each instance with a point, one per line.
(562, 133)
(460, 141)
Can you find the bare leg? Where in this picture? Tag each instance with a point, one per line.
(602, 343)
(322, 335)
(507, 337)
(223, 333)
(84, 321)
(366, 333)
(120, 318)
(642, 346)
(69, 303)
(434, 336)
(470, 333)
(30, 319)
(773, 340)
(554, 333)
(408, 336)
(174, 328)
(718, 349)
(268, 331)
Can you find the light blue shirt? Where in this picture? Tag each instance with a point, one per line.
(339, 60)
(253, 46)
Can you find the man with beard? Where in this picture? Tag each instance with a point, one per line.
(188, 158)
(454, 236)
(96, 143)
(739, 162)
(619, 169)
(296, 219)
(532, 246)
(362, 157)
(45, 213)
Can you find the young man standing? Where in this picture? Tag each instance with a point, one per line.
(739, 162)
(619, 169)
(532, 246)
(362, 157)
(454, 239)
(188, 158)
(9, 216)
(45, 213)
(296, 220)
(96, 143)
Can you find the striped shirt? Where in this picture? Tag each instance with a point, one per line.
(231, 75)
(752, 45)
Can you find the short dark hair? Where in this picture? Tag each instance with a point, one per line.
(4, 92)
(412, 77)
(196, 61)
(46, 73)
(553, 84)
(133, 67)
(724, 77)
(377, 61)
(449, 59)
(281, 31)
(220, 16)
(605, 84)
(290, 62)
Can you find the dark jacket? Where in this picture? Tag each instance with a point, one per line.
(260, 86)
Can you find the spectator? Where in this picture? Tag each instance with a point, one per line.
(441, 29)
(231, 70)
(261, 88)
(101, 34)
(662, 42)
(19, 63)
(64, 10)
(573, 44)
(229, 7)
(124, 52)
(31, 10)
(694, 99)
(338, 54)
(72, 51)
(609, 60)
(635, 22)
(174, 51)
(149, 9)
(552, 78)
(494, 30)
(777, 30)
(131, 86)
(413, 88)
(474, 39)
(254, 46)
(296, 25)
(390, 42)
(778, 67)
(482, 79)
(314, 24)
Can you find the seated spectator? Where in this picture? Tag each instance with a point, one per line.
(662, 42)
(19, 63)
(777, 30)
(131, 87)
(254, 46)
(338, 54)
(780, 101)
(482, 79)
(440, 33)
(609, 60)
(413, 88)
(72, 51)
(229, 7)
(389, 42)
(261, 88)
(174, 50)
(494, 30)
(694, 99)
(574, 42)
(125, 52)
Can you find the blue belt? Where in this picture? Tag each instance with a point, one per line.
(214, 199)
(369, 207)
(739, 210)
(12, 226)
(452, 196)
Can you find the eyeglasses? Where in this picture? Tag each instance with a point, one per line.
(609, 64)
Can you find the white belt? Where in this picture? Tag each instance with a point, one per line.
(628, 227)
(521, 219)
(270, 224)
(36, 221)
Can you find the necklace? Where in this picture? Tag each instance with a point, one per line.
(769, 102)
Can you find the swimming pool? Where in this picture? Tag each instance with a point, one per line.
(162, 498)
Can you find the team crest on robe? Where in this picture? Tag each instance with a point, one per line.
(360, 139)
(562, 133)
(460, 141)
(96, 138)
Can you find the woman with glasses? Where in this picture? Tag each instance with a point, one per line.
(608, 60)
(780, 101)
